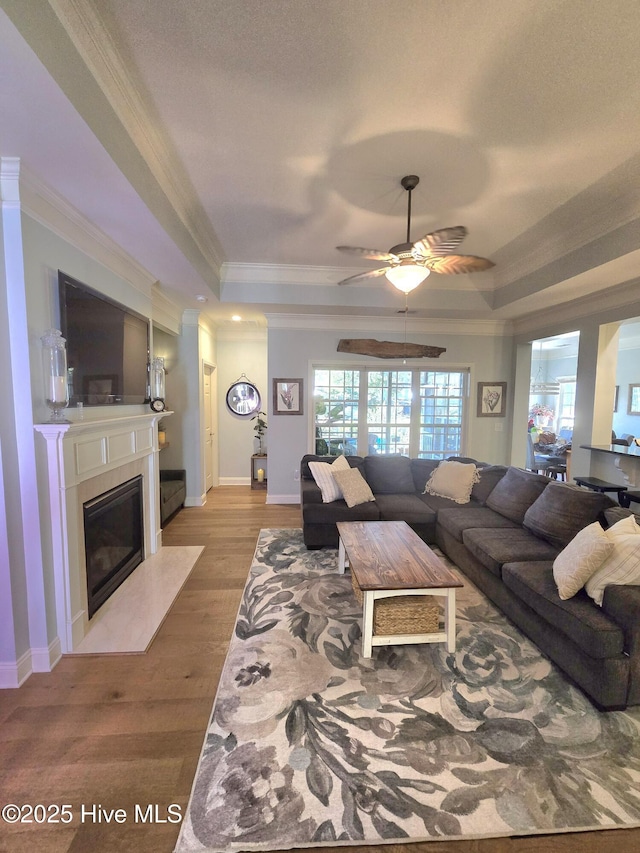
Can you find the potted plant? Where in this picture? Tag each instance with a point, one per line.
(260, 428)
(543, 414)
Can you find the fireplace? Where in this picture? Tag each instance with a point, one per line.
(82, 461)
(113, 538)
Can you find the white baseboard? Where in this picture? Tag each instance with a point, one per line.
(44, 660)
(234, 481)
(201, 501)
(33, 660)
(283, 499)
(13, 674)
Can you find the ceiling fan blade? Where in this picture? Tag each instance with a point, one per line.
(371, 254)
(363, 276)
(439, 243)
(453, 264)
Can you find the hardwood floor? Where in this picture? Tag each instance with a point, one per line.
(120, 731)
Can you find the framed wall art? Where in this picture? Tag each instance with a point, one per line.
(491, 399)
(634, 399)
(287, 397)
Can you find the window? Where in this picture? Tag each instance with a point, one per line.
(413, 412)
(336, 398)
(567, 404)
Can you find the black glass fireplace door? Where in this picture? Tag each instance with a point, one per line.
(114, 540)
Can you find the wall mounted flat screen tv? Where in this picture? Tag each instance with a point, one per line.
(107, 347)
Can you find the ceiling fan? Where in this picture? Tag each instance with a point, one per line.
(410, 263)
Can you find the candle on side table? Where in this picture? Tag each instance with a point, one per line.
(261, 475)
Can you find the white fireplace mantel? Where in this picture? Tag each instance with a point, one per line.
(82, 460)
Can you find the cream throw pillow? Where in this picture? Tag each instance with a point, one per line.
(453, 480)
(323, 475)
(580, 559)
(355, 488)
(623, 565)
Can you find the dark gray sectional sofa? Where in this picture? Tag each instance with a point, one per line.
(505, 540)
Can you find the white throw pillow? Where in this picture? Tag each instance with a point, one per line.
(355, 489)
(453, 480)
(581, 558)
(623, 565)
(323, 475)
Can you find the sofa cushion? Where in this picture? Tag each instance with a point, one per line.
(495, 547)
(575, 564)
(421, 470)
(587, 626)
(389, 475)
(339, 511)
(456, 520)
(354, 487)
(405, 507)
(453, 480)
(515, 492)
(617, 513)
(622, 566)
(489, 477)
(323, 475)
(563, 510)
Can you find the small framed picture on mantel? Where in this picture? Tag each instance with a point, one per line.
(491, 399)
(287, 397)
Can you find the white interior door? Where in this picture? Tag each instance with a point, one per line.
(209, 438)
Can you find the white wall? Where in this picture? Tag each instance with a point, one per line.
(292, 353)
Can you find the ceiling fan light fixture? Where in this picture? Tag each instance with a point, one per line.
(407, 276)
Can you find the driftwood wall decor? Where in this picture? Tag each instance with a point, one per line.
(388, 349)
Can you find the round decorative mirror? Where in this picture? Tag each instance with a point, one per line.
(243, 398)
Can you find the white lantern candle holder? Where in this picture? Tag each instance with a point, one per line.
(54, 365)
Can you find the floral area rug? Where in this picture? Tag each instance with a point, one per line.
(309, 744)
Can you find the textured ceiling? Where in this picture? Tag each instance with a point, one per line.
(231, 145)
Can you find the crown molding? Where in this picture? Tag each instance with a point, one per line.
(164, 312)
(321, 276)
(608, 204)
(10, 182)
(50, 209)
(191, 317)
(616, 303)
(83, 24)
(332, 322)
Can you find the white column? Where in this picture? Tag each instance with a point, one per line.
(34, 628)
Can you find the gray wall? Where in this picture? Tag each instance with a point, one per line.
(628, 373)
(293, 353)
(239, 354)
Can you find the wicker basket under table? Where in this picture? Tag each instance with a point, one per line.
(403, 614)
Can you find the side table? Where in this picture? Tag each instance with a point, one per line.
(259, 471)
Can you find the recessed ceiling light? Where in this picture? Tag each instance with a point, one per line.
(236, 318)
(201, 299)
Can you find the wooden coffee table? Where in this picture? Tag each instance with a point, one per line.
(389, 559)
